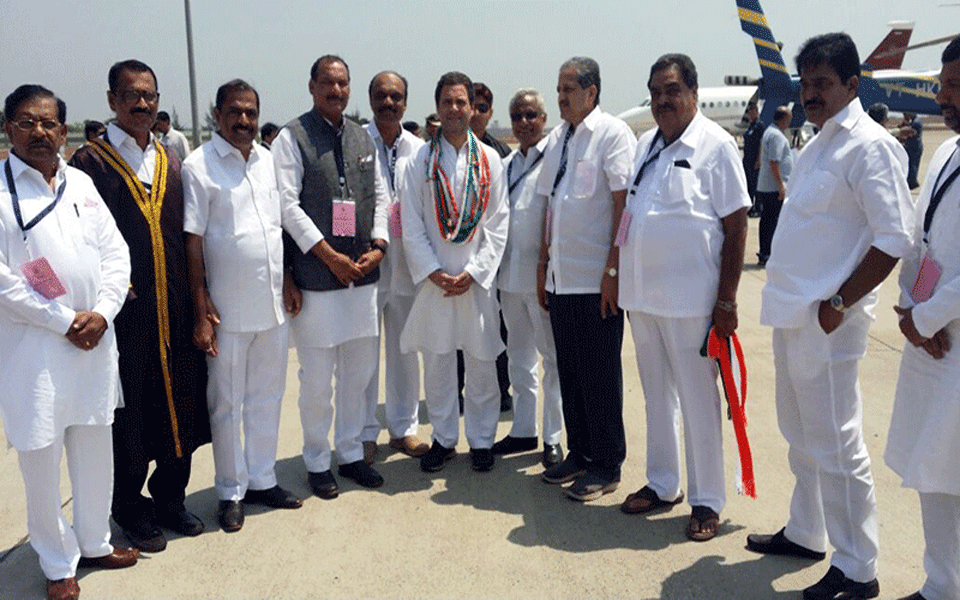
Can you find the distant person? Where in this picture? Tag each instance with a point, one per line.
(751, 154)
(175, 141)
(923, 439)
(878, 112)
(453, 237)
(401, 394)
(234, 248)
(93, 129)
(913, 144)
(840, 233)
(688, 186)
(776, 163)
(413, 127)
(268, 133)
(60, 378)
(430, 126)
(528, 324)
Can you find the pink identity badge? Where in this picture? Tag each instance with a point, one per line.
(41, 278)
(395, 229)
(344, 218)
(624, 230)
(926, 279)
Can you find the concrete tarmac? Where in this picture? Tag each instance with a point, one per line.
(506, 534)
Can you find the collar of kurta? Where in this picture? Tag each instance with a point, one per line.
(119, 137)
(225, 148)
(846, 117)
(18, 168)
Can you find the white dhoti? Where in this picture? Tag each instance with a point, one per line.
(481, 399)
(678, 381)
(90, 464)
(820, 414)
(529, 332)
(941, 558)
(401, 390)
(244, 395)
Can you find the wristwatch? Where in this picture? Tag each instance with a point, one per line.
(836, 303)
(612, 271)
(379, 246)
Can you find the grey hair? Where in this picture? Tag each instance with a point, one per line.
(588, 73)
(522, 93)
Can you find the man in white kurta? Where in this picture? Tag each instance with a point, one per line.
(685, 225)
(528, 325)
(60, 376)
(235, 254)
(923, 444)
(455, 306)
(843, 225)
(401, 394)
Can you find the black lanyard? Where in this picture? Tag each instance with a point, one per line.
(12, 186)
(937, 196)
(514, 185)
(563, 159)
(646, 163)
(391, 154)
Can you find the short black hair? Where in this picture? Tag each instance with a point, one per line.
(588, 73)
(92, 127)
(780, 113)
(394, 73)
(132, 64)
(29, 91)
(231, 87)
(480, 90)
(268, 129)
(328, 59)
(952, 51)
(164, 116)
(834, 49)
(688, 70)
(450, 79)
(878, 112)
(411, 126)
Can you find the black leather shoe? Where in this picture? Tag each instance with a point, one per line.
(178, 519)
(837, 586)
(144, 535)
(275, 497)
(436, 457)
(323, 484)
(481, 459)
(230, 515)
(552, 455)
(362, 473)
(512, 445)
(779, 544)
(913, 596)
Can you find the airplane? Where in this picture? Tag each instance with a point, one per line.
(727, 105)
(902, 91)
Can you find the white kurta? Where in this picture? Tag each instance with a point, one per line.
(470, 321)
(923, 444)
(48, 384)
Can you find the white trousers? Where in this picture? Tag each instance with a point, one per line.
(820, 414)
(401, 393)
(352, 363)
(941, 559)
(678, 381)
(90, 464)
(244, 394)
(481, 399)
(529, 332)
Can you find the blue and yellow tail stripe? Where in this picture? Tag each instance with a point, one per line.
(754, 23)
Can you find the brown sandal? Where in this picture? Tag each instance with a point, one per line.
(646, 500)
(703, 524)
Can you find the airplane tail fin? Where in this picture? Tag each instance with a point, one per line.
(775, 78)
(889, 54)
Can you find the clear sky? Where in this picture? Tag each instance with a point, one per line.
(69, 46)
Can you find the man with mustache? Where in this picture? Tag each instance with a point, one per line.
(682, 239)
(235, 258)
(60, 379)
(335, 212)
(164, 376)
(586, 170)
(926, 414)
(843, 226)
(395, 145)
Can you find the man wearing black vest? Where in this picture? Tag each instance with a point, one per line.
(334, 212)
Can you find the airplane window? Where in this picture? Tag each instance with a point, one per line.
(703, 105)
(728, 104)
(711, 105)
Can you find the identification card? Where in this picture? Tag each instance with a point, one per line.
(41, 277)
(395, 229)
(624, 230)
(927, 279)
(344, 218)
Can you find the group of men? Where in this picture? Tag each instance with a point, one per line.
(120, 272)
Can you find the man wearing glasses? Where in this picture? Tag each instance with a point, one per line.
(162, 373)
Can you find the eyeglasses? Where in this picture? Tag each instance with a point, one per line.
(482, 107)
(30, 124)
(133, 96)
(529, 115)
